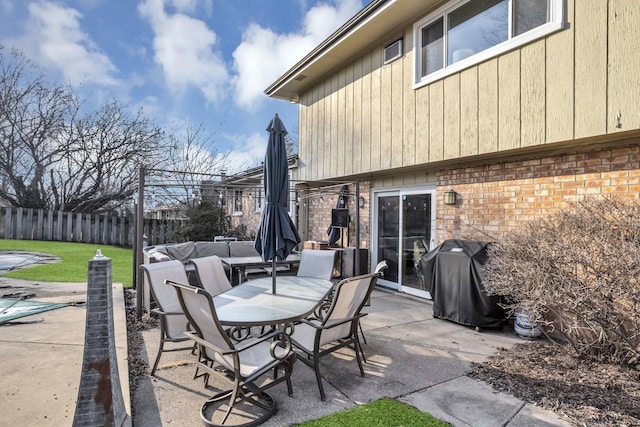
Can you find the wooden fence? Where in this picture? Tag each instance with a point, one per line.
(41, 224)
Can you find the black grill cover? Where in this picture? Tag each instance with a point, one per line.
(453, 274)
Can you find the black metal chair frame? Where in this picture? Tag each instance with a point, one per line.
(311, 357)
(244, 388)
(382, 265)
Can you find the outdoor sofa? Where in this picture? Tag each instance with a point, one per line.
(185, 251)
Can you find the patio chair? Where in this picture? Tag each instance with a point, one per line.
(211, 274)
(240, 365)
(380, 267)
(379, 271)
(317, 263)
(173, 323)
(338, 327)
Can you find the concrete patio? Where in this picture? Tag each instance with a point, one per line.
(411, 356)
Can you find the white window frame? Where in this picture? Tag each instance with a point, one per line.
(260, 198)
(235, 200)
(556, 23)
(373, 243)
(291, 205)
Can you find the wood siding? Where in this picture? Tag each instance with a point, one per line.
(578, 83)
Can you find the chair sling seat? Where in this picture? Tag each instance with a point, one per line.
(316, 263)
(173, 322)
(252, 359)
(211, 274)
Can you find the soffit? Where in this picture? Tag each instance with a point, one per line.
(377, 21)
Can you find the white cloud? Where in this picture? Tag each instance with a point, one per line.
(315, 22)
(247, 152)
(272, 54)
(184, 48)
(55, 40)
(185, 6)
(150, 106)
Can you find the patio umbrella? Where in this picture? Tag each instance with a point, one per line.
(335, 233)
(277, 235)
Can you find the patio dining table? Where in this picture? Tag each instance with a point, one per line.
(252, 303)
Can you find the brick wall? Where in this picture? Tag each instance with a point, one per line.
(320, 214)
(496, 199)
(249, 217)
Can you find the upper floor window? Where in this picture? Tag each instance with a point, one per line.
(462, 33)
(237, 202)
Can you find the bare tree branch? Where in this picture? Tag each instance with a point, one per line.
(54, 154)
(576, 273)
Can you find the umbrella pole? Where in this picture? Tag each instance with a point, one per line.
(273, 269)
(273, 275)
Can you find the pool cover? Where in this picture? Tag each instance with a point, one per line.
(12, 260)
(11, 309)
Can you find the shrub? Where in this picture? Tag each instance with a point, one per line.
(205, 222)
(576, 273)
(241, 232)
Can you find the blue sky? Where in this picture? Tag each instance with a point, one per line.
(198, 61)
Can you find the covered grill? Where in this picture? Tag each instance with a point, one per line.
(453, 274)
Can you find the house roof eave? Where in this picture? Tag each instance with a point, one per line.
(375, 21)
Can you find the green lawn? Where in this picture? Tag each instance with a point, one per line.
(381, 413)
(74, 261)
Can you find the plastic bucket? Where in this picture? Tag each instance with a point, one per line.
(523, 327)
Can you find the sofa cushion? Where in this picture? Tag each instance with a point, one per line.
(182, 251)
(153, 255)
(242, 248)
(158, 248)
(156, 256)
(204, 249)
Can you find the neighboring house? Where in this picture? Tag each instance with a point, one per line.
(520, 107)
(174, 212)
(244, 196)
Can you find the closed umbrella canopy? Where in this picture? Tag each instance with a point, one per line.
(277, 235)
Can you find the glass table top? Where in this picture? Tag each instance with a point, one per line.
(253, 304)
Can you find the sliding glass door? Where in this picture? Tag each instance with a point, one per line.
(403, 229)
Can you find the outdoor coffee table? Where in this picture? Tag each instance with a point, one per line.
(238, 265)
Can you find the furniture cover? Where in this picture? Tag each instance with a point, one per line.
(453, 274)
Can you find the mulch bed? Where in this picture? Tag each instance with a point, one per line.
(138, 366)
(585, 393)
